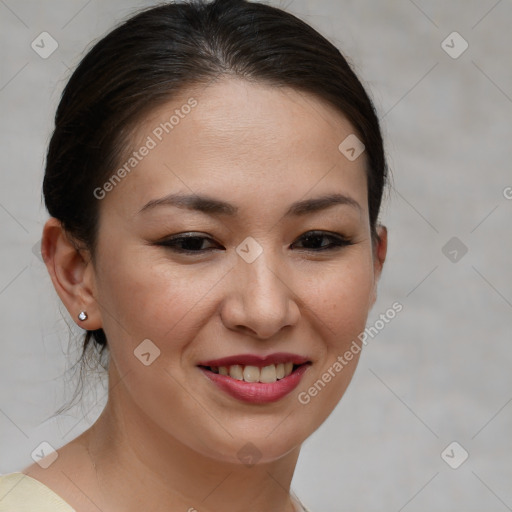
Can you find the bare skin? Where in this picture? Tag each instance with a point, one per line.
(168, 439)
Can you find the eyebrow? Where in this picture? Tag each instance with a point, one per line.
(214, 207)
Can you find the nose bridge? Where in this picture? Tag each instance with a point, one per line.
(264, 303)
(263, 280)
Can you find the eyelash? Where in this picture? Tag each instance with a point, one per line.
(337, 241)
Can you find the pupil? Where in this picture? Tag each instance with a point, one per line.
(314, 240)
(193, 244)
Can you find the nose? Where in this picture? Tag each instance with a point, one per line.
(260, 301)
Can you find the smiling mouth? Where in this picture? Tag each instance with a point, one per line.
(249, 373)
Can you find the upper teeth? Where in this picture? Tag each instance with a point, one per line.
(248, 373)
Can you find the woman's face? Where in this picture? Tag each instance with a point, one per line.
(279, 265)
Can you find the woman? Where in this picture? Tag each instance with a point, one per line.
(214, 182)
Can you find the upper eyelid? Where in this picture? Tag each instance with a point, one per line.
(193, 234)
(166, 241)
(184, 235)
(337, 236)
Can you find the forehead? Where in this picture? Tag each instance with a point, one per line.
(239, 138)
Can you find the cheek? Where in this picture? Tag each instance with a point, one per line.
(143, 297)
(147, 297)
(340, 302)
(341, 298)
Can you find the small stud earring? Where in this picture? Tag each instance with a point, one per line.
(82, 316)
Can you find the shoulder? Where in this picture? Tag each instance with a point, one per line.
(22, 493)
(54, 487)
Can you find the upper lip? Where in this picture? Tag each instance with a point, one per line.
(256, 360)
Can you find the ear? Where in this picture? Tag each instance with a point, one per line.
(380, 250)
(72, 274)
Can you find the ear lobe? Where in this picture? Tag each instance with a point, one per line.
(71, 272)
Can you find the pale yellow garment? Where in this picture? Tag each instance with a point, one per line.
(21, 493)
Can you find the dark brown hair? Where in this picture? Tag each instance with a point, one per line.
(157, 54)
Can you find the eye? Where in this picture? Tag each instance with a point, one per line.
(321, 241)
(190, 243)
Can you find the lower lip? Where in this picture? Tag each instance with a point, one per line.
(257, 392)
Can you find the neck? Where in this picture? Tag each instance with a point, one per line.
(139, 465)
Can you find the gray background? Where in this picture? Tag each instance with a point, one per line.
(439, 372)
